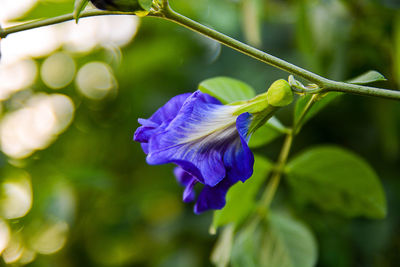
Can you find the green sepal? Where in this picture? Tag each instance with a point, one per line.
(254, 105)
(267, 133)
(258, 107)
(264, 106)
(79, 7)
(260, 118)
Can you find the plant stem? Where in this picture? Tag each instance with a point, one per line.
(299, 123)
(334, 86)
(273, 183)
(46, 22)
(326, 85)
(167, 13)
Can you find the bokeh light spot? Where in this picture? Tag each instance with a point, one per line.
(36, 125)
(13, 251)
(4, 235)
(51, 238)
(11, 8)
(96, 80)
(16, 200)
(16, 76)
(104, 31)
(58, 70)
(27, 256)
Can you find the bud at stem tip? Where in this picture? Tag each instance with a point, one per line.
(279, 94)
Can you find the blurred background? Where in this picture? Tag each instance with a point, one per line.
(75, 189)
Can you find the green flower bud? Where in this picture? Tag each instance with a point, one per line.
(141, 7)
(279, 94)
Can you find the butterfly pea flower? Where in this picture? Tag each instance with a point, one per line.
(208, 141)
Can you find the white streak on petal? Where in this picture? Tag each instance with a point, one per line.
(217, 124)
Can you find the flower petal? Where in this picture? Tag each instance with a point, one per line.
(197, 138)
(170, 109)
(189, 195)
(145, 147)
(160, 118)
(213, 197)
(187, 180)
(239, 159)
(208, 167)
(182, 176)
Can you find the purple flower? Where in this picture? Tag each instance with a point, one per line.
(208, 142)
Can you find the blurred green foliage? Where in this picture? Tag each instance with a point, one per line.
(93, 192)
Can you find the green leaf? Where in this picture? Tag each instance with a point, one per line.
(289, 243)
(318, 106)
(336, 180)
(282, 241)
(221, 253)
(368, 77)
(240, 199)
(79, 7)
(267, 133)
(246, 245)
(227, 90)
